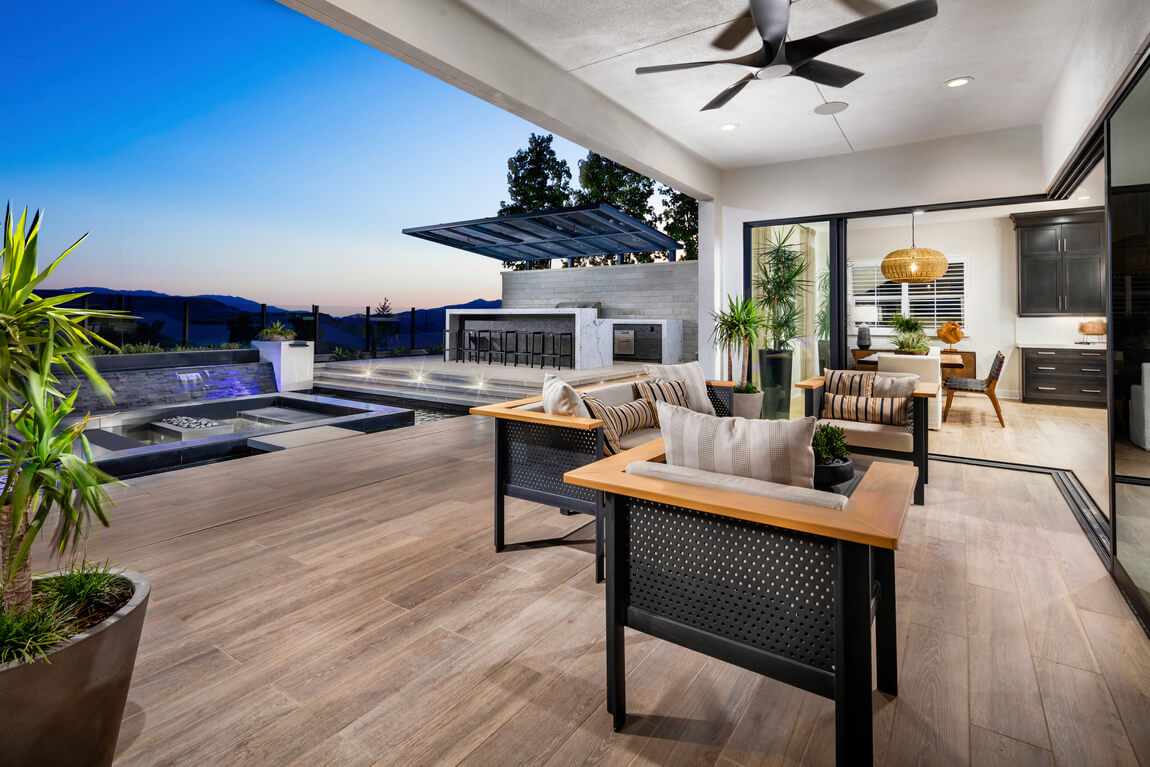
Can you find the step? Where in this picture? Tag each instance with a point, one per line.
(461, 398)
(287, 440)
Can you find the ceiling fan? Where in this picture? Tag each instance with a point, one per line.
(779, 57)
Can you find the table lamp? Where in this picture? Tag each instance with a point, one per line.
(865, 316)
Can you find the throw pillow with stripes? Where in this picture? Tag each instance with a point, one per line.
(662, 390)
(856, 383)
(890, 411)
(619, 420)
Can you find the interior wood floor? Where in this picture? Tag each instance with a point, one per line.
(341, 604)
(1072, 438)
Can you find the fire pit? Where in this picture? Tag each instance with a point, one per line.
(182, 427)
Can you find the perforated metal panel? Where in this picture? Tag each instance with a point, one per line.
(766, 587)
(538, 455)
(722, 398)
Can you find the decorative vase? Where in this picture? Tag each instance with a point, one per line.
(864, 336)
(747, 405)
(828, 475)
(775, 374)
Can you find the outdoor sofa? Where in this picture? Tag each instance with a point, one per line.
(907, 442)
(782, 588)
(533, 450)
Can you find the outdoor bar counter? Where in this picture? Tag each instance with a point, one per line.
(592, 335)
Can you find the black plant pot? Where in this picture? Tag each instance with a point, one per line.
(775, 374)
(828, 475)
(67, 712)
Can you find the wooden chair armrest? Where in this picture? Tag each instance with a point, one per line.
(721, 383)
(926, 390)
(811, 383)
(510, 411)
(874, 515)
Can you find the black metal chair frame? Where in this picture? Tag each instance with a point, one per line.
(919, 453)
(532, 455)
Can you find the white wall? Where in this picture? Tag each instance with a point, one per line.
(1113, 37)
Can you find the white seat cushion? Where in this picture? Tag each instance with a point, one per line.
(639, 437)
(746, 485)
(560, 398)
(875, 435)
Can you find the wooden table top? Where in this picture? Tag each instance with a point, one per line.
(946, 360)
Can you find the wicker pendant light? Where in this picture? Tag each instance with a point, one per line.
(914, 264)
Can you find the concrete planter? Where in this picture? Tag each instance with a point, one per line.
(747, 405)
(292, 361)
(107, 363)
(67, 712)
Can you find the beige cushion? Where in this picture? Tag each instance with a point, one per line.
(855, 383)
(560, 398)
(891, 384)
(690, 373)
(776, 451)
(875, 435)
(640, 437)
(744, 485)
(667, 390)
(613, 393)
(888, 410)
(619, 420)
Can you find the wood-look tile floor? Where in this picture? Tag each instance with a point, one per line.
(341, 605)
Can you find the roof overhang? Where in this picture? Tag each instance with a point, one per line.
(580, 232)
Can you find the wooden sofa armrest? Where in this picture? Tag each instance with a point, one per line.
(874, 515)
(721, 383)
(510, 411)
(811, 383)
(926, 390)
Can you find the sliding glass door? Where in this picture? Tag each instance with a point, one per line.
(1128, 164)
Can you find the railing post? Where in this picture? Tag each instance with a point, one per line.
(412, 345)
(367, 329)
(263, 316)
(315, 326)
(187, 320)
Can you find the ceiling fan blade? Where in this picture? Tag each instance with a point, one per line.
(736, 32)
(801, 51)
(772, 17)
(823, 73)
(727, 94)
(750, 60)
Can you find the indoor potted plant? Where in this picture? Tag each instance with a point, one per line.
(909, 337)
(833, 464)
(277, 331)
(736, 328)
(67, 640)
(779, 282)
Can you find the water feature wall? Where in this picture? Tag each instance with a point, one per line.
(161, 386)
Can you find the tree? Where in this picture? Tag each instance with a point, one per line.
(680, 219)
(383, 308)
(605, 181)
(536, 178)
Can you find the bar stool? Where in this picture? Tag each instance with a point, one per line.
(497, 349)
(520, 349)
(536, 347)
(569, 354)
(550, 340)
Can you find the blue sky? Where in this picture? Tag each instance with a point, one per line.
(237, 146)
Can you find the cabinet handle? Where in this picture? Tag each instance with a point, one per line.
(1091, 391)
(1091, 370)
(1065, 247)
(1047, 353)
(1091, 354)
(1047, 388)
(1047, 367)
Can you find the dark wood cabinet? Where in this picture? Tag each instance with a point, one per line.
(1064, 376)
(1061, 262)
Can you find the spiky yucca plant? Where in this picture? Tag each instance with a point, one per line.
(781, 281)
(737, 327)
(42, 474)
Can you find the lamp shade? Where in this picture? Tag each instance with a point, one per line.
(914, 265)
(867, 313)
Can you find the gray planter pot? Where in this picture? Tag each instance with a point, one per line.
(747, 405)
(775, 375)
(67, 712)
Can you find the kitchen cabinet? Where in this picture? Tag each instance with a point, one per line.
(1061, 262)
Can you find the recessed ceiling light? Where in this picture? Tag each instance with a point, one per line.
(918, 212)
(958, 82)
(1084, 197)
(831, 108)
(728, 127)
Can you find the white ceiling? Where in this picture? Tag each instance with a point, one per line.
(1015, 49)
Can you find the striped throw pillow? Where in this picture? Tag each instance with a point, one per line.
(885, 410)
(619, 419)
(669, 391)
(856, 383)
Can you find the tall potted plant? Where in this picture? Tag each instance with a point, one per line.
(780, 282)
(67, 640)
(736, 329)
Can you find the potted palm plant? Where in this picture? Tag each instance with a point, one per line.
(779, 283)
(909, 337)
(67, 640)
(736, 329)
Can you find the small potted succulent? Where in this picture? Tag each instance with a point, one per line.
(277, 331)
(833, 464)
(909, 337)
(736, 328)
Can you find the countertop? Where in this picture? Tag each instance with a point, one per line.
(1070, 345)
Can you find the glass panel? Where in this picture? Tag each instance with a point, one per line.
(1129, 199)
(799, 347)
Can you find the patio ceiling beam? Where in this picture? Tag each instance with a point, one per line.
(452, 42)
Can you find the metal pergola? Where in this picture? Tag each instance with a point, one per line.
(569, 233)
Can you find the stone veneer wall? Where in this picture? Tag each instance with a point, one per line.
(162, 386)
(647, 291)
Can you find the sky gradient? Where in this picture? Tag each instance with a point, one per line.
(239, 147)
